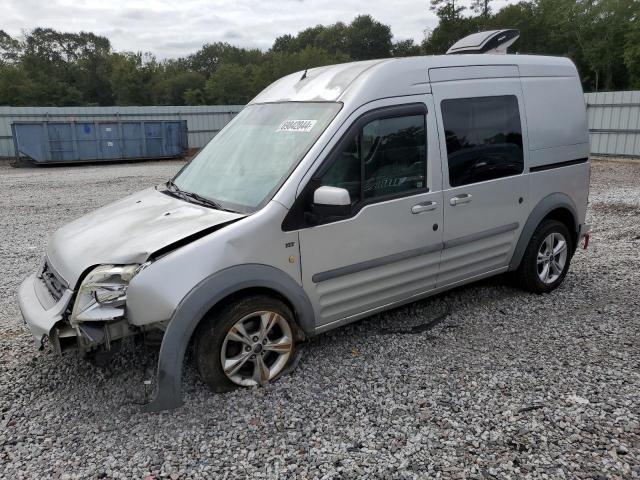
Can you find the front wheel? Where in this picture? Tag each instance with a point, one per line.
(546, 261)
(245, 344)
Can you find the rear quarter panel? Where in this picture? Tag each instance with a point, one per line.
(572, 180)
(557, 132)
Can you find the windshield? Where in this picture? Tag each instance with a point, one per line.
(255, 153)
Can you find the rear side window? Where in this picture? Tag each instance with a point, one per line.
(484, 138)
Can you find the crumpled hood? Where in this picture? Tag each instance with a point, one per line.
(128, 231)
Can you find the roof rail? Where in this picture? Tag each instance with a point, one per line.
(492, 41)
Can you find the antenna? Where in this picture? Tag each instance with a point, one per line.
(492, 41)
(304, 75)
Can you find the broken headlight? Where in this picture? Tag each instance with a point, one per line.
(103, 293)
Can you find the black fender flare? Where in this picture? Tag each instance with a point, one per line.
(195, 305)
(541, 210)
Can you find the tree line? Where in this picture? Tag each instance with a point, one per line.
(46, 67)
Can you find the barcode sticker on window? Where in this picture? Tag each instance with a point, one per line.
(296, 126)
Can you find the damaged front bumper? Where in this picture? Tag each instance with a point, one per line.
(42, 312)
(47, 318)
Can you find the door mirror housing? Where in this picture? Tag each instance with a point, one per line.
(331, 196)
(331, 202)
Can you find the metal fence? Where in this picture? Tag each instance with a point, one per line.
(614, 120)
(614, 123)
(203, 122)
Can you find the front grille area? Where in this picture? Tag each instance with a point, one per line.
(55, 285)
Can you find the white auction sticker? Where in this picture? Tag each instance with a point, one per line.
(296, 126)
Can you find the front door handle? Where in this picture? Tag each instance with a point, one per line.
(424, 207)
(460, 199)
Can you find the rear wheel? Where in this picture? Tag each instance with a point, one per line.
(547, 258)
(245, 344)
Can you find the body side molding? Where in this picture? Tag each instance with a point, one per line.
(198, 302)
(550, 166)
(396, 257)
(376, 262)
(541, 210)
(456, 242)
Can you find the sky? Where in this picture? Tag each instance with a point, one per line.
(173, 28)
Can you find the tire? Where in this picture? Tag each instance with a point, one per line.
(254, 337)
(539, 261)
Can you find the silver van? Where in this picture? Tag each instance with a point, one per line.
(338, 192)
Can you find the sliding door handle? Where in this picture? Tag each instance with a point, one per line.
(424, 207)
(460, 199)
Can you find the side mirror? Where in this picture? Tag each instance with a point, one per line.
(331, 196)
(331, 202)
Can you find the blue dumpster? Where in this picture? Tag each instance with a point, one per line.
(65, 142)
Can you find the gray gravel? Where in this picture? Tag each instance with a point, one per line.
(508, 385)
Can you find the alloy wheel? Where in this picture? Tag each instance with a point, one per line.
(552, 258)
(257, 348)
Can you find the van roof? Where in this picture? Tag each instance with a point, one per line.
(371, 79)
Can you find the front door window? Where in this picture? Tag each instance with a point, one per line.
(384, 158)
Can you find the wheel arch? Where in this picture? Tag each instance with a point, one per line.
(225, 284)
(566, 217)
(557, 206)
(245, 292)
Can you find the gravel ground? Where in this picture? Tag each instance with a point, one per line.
(508, 385)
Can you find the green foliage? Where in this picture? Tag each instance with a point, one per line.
(47, 67)
(448, 10)
(237, 84)
(207, 59)
(602, 40)
(171, 86)
(405, 48)
(364, 38)
(632, 52)
(10, 48)
(368, 39)
(598, 35)
(131, 76)
(230, 83)
(448, 32)
(481, 7)
(15, 86)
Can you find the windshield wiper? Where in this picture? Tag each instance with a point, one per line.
(189, 196)
(203, 200)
